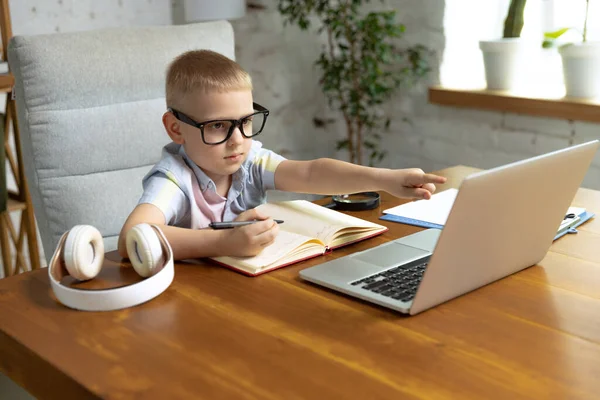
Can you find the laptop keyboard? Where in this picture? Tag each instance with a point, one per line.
(399, 283)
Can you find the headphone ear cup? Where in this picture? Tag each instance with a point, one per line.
(144, 250)
(83, 252)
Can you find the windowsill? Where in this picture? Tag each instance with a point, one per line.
(542, 106)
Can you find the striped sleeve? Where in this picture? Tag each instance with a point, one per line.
(264, 164)
(162, 191)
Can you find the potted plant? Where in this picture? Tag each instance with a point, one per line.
(580, 59)
(502, 57)
(361, 66)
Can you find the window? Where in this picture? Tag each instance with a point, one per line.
(466, 22)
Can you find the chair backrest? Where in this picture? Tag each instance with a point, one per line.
(89, 107)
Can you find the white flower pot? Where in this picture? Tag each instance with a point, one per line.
(581, 69)
(502, 59)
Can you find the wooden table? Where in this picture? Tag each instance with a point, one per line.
(218, 334)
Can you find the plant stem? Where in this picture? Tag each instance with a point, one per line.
(513, 24)
(587, 8)
(343, 103)
(354, 71)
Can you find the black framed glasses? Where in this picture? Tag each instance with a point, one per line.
(218, 131)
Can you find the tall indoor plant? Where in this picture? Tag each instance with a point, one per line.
(361, 65)
(502, 57)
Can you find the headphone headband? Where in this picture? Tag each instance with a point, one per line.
(111, 299)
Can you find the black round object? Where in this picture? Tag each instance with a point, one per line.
(354, 202)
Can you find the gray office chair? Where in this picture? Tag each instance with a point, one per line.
(90, 106)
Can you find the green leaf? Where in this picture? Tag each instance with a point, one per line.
(556, 34)
(343, 144)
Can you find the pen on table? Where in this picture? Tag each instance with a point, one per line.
(234, 224)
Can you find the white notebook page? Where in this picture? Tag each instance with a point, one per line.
(434, 210)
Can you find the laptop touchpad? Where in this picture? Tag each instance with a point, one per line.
(391, 255)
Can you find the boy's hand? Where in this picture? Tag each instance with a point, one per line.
(251, 239)
(412, 183)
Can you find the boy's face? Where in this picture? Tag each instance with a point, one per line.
(221, 160)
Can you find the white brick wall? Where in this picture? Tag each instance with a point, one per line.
(586, 131)
(548, 126)
(450, 136)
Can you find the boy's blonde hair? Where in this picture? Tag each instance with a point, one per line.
(206, 71)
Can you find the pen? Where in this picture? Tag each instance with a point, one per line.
(233, 224)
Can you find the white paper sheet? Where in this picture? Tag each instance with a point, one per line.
(434, 210)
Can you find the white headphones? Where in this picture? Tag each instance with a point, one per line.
(80, 254)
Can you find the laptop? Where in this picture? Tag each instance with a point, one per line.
(503, 220)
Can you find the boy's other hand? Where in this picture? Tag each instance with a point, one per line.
(250, 240)
(412, 183)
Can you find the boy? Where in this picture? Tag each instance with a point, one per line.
(214, 171)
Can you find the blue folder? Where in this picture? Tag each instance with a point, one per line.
(410, 221)
(583, 217)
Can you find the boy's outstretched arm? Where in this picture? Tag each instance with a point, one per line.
(196, 243)
(329, 176)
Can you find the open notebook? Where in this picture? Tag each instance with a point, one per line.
(309, 230)
(434, 212)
